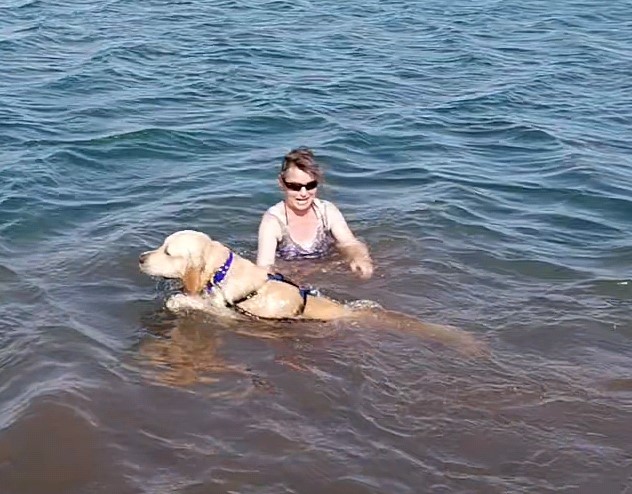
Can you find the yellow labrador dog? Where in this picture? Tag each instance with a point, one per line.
(212, 275)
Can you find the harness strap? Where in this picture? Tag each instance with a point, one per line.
(220, 274)
(304, 292)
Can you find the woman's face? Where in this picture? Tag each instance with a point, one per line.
(294, 178)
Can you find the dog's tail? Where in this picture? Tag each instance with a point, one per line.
(451, 336)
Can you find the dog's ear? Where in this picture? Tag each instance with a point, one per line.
(193, 280)
(200, 268)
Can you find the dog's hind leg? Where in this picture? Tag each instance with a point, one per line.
(451, 336)
(325, 309)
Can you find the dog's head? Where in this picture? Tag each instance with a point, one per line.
(188, 255)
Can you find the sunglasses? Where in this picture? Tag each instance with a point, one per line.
(296, 187)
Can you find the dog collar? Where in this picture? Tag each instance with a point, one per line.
(220, 274)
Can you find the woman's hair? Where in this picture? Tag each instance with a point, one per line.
(303, 159)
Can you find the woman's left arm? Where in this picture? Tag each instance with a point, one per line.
(355, 251)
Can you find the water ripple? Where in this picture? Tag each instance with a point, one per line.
(480, 151)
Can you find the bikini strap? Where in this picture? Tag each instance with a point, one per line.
(323, 216)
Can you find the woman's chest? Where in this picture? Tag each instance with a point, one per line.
(304, 232)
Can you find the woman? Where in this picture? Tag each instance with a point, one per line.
(304, 227)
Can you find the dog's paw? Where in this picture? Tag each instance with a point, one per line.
(181, 302)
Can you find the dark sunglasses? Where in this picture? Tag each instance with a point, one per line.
(296, 187)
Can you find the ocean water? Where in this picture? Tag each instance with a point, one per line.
(481, 149)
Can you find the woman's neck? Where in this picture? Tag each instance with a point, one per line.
(302, 213)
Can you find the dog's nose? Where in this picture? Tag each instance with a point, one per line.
(142, 258)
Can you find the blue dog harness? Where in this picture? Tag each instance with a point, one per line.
(220, 274)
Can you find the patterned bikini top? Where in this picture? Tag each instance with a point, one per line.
(288, 249)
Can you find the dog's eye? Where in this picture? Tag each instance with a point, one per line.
(167, 253)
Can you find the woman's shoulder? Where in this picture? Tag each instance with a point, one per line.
(272, 222)
(276, 210)
(327, 207)
(333, 216)
(329, 212)
(324, 205)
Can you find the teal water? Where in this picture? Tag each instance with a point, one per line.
(482, 150)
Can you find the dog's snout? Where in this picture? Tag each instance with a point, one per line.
(143, 257)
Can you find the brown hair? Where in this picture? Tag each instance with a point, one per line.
(303, 159)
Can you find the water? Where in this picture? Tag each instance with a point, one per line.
(480, 148)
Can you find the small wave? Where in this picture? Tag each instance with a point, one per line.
(7, 275)
(363, 304)
(28, 4)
